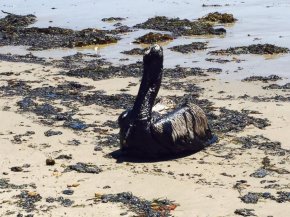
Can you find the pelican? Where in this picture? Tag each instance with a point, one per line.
(145, 134)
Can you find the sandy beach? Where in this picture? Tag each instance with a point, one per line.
(59, 107)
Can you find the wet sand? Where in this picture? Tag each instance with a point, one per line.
(209, 183)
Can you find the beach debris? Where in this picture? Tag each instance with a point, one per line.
(260, 49)
(151, 38)
(264, 79)
(74, 185)
(154, 208)
(84, 168)
(180, 27)
(245, 212)
(218, 18)
(189, 48)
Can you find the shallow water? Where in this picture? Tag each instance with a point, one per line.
(259, 21)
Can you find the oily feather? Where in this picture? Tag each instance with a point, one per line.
(183, 127)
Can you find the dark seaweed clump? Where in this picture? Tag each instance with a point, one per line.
(13, 20)
(252, 49)
(180, 27)
(262, 143)
(277, 86)
(152, 37)
(218, 18)
(245, 212)
(113, 19)
(4, 184)
(99, 73)
(190, 48)
(52, 133)
(134, 51)
(187, 87)
(27, 200)
(27, 58)
(252, 197)
(61, 200)
(14, 31)
(83, 168)
(264, 79)
(260, 173)
(131, 70)
(155, 208)
(234, 121)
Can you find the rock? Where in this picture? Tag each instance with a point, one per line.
(50, 162)
(16, 169)
(68, 192)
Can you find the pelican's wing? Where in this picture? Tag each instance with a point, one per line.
(184, 127)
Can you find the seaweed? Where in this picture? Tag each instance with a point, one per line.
(277, 86)
(260, 49)
(189, 48)
(245, 212)
(152, 37)
(14, 31)
(61, 200)
(154, 208)
(27, 200)
(134, 51)
(218, 18)
(83, 168)
(4, 184)
(113, 19)
(264, 79)
(262, 143)
(180, 27)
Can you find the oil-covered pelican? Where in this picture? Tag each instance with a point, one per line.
(143, 134)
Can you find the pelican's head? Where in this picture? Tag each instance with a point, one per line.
(153, 61)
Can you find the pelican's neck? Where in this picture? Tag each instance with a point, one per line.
(142, 109)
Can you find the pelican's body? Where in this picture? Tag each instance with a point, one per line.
(144, 134)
